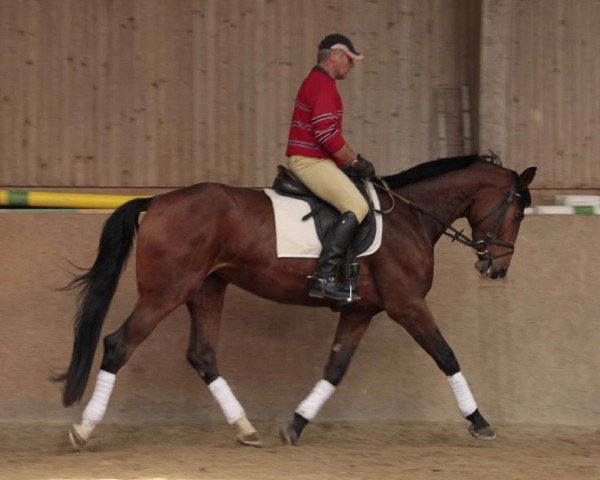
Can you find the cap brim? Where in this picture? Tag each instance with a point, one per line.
(346, 50)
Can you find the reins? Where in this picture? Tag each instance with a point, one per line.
(459, 236)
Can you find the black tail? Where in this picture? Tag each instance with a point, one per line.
(98, 286)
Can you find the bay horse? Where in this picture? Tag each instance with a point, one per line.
(193, 242)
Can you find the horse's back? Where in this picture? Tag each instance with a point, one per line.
(213, 217)
(204, 198)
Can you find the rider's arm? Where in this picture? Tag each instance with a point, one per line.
(361, 166)
(326, 123)
(346, 154)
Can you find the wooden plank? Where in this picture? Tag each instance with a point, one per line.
(155, 93)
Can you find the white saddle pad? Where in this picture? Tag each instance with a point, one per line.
(297, 238)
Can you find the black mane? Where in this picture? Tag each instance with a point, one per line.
(434, 168)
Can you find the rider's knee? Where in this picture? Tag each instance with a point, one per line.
(360, 210)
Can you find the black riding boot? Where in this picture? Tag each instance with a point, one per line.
(323, 283)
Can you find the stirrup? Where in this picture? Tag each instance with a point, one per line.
(318, 289)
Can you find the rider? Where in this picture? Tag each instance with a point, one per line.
(317, 153)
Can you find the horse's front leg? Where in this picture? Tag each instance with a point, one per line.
(350, 330)
(418, 321)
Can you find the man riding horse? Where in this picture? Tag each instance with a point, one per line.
(318, 154)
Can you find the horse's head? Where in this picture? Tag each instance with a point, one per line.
(495, 217)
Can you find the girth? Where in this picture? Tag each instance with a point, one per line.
(288, 184)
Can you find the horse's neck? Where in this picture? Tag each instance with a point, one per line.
(446, 197)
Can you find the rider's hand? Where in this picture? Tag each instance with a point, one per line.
(363, 167)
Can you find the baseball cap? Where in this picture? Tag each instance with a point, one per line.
(337, 41)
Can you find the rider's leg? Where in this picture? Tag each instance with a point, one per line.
(327, 181)
(324, 282)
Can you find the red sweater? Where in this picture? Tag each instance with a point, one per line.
(316, 128)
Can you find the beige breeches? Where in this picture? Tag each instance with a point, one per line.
(327, 181)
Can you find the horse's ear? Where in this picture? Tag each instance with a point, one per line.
(526, 178)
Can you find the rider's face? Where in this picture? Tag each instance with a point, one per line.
(342, 64)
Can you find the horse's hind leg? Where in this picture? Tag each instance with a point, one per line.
(118, 348)
(350, 330)
(205, 309)
(418, 321)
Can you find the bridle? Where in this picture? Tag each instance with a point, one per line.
(480, 246)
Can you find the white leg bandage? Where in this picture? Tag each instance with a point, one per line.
(462, 393)
(316, 399)
(231, 407)
(94, 412)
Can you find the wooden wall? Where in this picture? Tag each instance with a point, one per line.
(540, 89)
(527, 344)
(157, 93)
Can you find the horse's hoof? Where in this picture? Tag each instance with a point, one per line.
(252, 439)
(482, 433)
(76, 440)
(288, 435)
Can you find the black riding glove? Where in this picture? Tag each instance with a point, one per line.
(363, 167)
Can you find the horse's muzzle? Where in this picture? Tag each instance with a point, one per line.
(485, 266)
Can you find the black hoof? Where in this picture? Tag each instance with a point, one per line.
(482, 433)
(288, 435)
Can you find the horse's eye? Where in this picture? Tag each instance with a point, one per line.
(518, 217)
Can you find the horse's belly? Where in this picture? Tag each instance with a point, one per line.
(286, 281)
